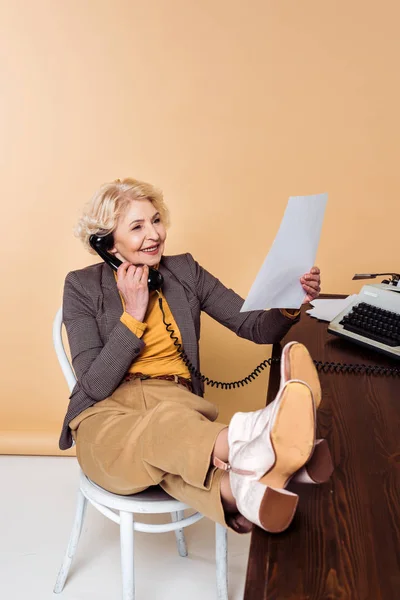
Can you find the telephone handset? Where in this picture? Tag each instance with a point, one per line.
(104, 243)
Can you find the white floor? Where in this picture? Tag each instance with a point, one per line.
(37, 504)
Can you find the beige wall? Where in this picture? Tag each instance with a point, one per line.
(230, 107)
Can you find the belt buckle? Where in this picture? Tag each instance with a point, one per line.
(176, 378)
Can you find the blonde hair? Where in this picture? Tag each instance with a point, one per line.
(110, 202)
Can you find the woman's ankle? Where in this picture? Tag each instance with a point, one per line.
(221, 448)
(227, 498)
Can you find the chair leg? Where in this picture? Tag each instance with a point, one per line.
(221, 561)
(127, 555)
(180, 536)
(73, 542)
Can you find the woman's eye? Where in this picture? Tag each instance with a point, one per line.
(137, 227)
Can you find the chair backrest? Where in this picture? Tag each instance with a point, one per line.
(60, 351)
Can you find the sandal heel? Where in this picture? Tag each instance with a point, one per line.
(319, 467)
(277, 510)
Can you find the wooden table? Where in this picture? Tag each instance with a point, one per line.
(344, 542)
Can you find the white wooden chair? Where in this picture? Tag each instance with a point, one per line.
(121, 510)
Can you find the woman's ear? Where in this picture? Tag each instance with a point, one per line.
(114, 252)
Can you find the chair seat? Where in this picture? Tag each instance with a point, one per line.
(153, 500)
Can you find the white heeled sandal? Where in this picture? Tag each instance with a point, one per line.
(266, 448)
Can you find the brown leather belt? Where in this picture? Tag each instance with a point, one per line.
(176, 378)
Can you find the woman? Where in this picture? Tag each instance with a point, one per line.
(137, 415)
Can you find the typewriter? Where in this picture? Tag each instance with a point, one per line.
(372, 319)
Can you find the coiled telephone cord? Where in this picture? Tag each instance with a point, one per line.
(324, 367)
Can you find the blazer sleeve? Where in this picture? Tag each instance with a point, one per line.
(99, 367)
(223, 305)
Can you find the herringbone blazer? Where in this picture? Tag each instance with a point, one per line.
(103, 348)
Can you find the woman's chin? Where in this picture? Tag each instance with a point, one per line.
(152, 261)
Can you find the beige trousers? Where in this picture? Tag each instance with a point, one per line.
(152, 432)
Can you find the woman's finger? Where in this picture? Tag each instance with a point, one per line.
(311, 284)
(123, 267)
(311, 291)
(122, 270)
(314, 288)
(130, 274)
(137, 275)
(145, 274)
(311, 277)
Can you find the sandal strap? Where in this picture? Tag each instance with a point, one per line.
(225, 466)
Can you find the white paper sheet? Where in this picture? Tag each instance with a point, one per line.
(326, 309)
(292, 254)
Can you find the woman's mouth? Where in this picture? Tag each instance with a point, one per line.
(150, 250)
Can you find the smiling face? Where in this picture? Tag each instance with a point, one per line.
(140, 235)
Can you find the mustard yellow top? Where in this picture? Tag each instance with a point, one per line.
(159, 356)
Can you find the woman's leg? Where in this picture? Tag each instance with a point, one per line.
(126, 450)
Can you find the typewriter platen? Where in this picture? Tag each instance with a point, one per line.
(373, 317)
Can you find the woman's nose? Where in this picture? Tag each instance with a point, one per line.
(152, 233)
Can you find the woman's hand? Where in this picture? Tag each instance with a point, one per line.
(311, 283)
(132, 283)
